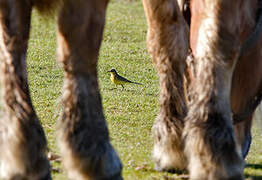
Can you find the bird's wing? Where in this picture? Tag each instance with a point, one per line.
(120, 78)
(126, 80)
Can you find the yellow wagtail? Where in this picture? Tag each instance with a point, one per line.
(119, 80)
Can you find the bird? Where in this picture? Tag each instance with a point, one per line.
(119, 80)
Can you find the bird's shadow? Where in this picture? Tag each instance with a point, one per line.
(150, 94)
(121, 90)
(111, 89)
(132, 91)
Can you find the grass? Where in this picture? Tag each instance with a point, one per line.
(130, 113)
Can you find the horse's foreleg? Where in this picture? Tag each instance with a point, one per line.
(209, 139)
(84, 139)
(167, 42)
(23, 144)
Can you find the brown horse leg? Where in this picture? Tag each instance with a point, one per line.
(23, 143)
(246, 85)
(209, 138)
(84, 139)
(167, 42)
(243, 135)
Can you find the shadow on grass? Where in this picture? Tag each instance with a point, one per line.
(255, 167)
(121, 89)
(146, 168)
(151, 94)
(134, 91)
(111, 89)
(253, 177)
(183, 175)
(172, 174)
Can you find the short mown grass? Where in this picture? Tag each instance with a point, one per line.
(130, 113)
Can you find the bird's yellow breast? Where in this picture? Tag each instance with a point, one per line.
(115, 80)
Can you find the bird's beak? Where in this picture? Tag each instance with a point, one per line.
(108, 71)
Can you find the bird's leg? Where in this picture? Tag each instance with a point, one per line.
(122, 87)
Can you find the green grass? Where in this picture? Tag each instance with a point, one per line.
(130, 113)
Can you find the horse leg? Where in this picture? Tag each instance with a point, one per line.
(210, 144)
(246, 85)
(83, 133)
(243, 135)
(167, 42)
(23, 143)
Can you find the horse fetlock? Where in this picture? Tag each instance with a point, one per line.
(214, 171)
(17, 170)
(167, 158)
(212, 154)
(112, 166)
(99, 161)
(168, 149)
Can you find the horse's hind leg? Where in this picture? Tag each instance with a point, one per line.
(23, 143)
(84, 139)
(167, 42)
(243, 135)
